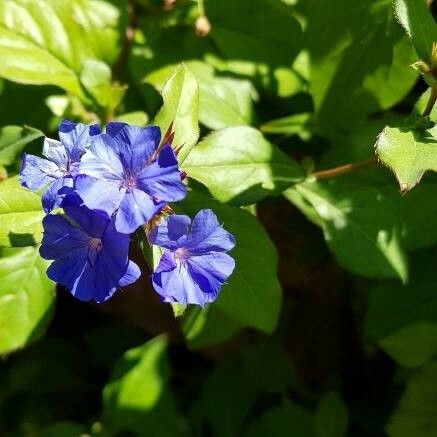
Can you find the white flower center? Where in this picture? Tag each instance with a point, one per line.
(181, 254)
(96, 244)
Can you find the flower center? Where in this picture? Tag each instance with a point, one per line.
(129, 182)
(96, 244)
(181, 254)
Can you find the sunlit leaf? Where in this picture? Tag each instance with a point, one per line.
(21, 215)
(239, 165)
(41, 44)
(409, 154)
(180, 110)
(137, 397)
(359, 61)
(359, 226)
(26, 297)
(13, 139)
(419, 24)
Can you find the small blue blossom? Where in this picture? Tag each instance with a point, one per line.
(90, 256)
(196, 265)
(61, 165)
(126, 172)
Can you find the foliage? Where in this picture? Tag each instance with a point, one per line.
(308, 127)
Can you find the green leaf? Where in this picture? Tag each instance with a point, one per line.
(13, 139)
(416, 413)
(359, 61)
(180, 110)
(412, 345)
(223, 101)
(26, 297)
(417, 211)
(262, 369)
(224, 406)
(247, 30)
(239, 165)
(286, 419)
(41, 44)
(409, 154)
(25, 62)
(138, 396)
(294, 124)
(252, 295)
(21, 215)
(392, 305)
(208, 326)
(226, 102)
(64, 429)
(360, 226)
(331, 417)
(137, 118)
(416, 19)
(96, 78)
(421, 104)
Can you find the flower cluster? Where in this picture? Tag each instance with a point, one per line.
(108, 185)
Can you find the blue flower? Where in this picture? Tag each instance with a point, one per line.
(196, 265)
(125, 171)
(90, 256)
(61, 165)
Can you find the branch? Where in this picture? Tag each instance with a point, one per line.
(343, 169)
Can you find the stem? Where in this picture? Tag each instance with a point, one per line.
(347, 168)
(343, 169)
(201, 8)
(431, 102)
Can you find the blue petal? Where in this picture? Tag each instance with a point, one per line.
(94, 130)
(136, 145)
(132, 274)
(172, 232)
(69, 271)
(178, 226)
(61, 238)
(176, 285)
(136, 208)
(162, 181)
(96, 280)
(92, 222)
(107, 274)
(51, 198)
(36, 173)
(87, 272)
(116, 243)
(55, 151)
(100, 195)
(210, 271)
(167, 157)
(76, 137)
(102, 160)
(116, 251)
(114, 127)
(84, 281)
(113, 269)
(167, 263)
(207, 235)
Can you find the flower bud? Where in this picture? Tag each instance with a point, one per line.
(427, 73)
(203, 26)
